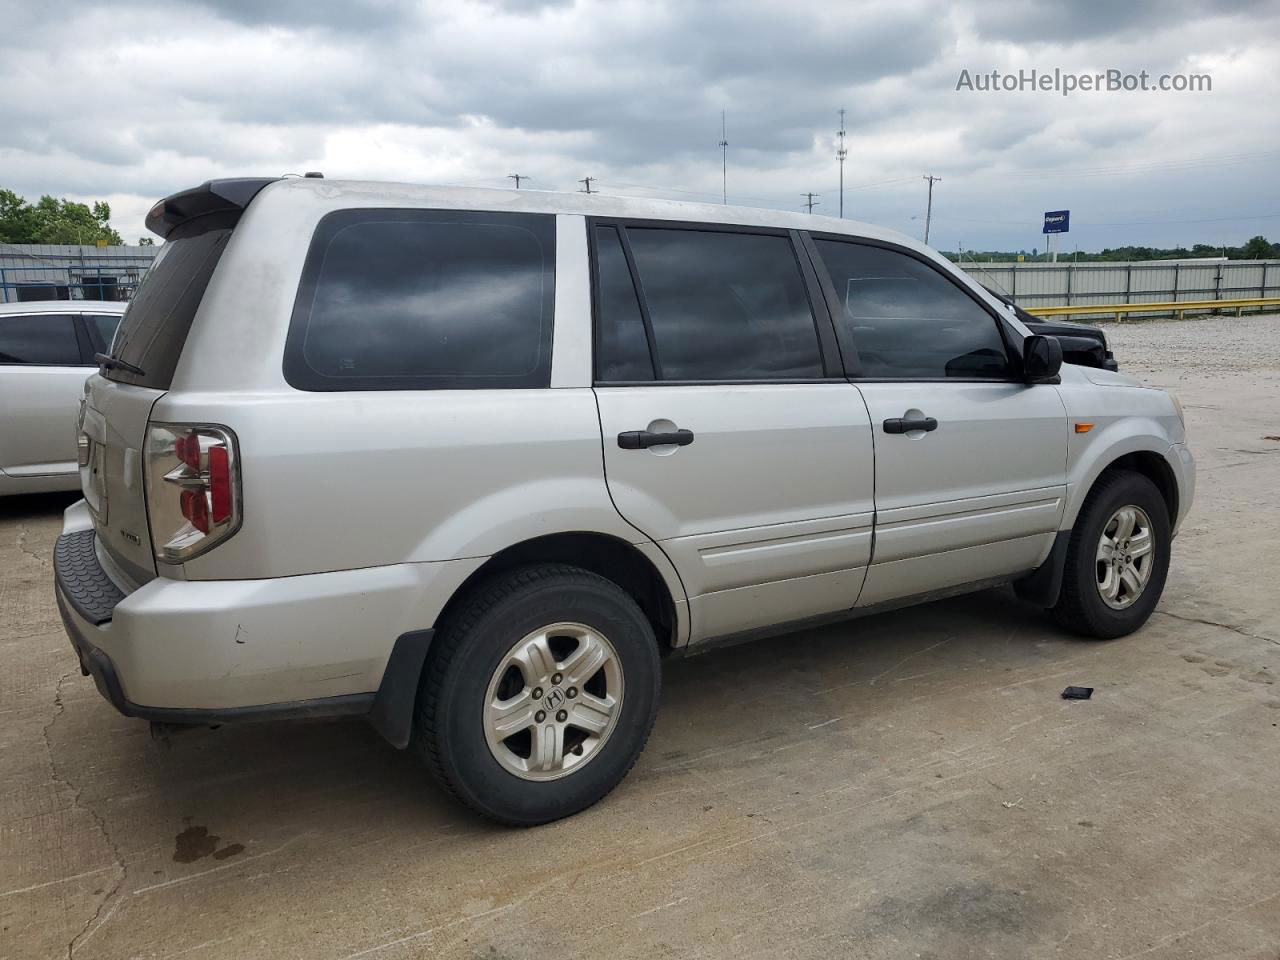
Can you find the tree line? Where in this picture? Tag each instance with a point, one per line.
(53, 220)
(1257, 248)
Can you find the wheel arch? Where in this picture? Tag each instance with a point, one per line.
(1145, 455)
(1043, 586)
(645, 574)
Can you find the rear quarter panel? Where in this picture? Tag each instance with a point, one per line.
(335, 481)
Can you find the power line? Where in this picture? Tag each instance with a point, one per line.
(809, 201)
(517, 177)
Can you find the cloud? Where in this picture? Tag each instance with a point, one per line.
(631, 92)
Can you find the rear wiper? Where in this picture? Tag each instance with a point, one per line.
(115, 363)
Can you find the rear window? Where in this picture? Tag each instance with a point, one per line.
(155, 324)
(424, 299)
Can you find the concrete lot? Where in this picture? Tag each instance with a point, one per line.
(910, 785)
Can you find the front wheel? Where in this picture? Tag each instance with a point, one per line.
(539, 694)
(1117, 558)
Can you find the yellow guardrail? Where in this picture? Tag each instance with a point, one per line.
(1181, 308)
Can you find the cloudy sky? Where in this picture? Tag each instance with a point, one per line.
(130, 100)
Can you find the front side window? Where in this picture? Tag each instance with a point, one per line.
(908, 321)
(424, 299)
(41, 338)
(725, 305)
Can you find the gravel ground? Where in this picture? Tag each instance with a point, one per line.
(910, 785)
(1198, 348)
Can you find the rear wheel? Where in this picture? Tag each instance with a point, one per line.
(539, 694)
(1117, 559)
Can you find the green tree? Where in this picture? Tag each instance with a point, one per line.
(1258, 248)
(51, 220)
(146, 242)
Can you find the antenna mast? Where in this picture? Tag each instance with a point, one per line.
(841, 153)
(724, 162)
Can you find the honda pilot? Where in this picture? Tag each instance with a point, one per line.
(470, 463)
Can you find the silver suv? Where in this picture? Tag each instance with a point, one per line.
(470, 463)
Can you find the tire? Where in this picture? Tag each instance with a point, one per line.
(453, 729)
(1081, 606)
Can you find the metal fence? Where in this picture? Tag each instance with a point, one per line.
(1158, 281)
(70, 272)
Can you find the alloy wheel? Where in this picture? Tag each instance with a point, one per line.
(553, 701)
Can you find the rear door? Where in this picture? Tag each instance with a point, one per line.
(970, 461)
(731, 437)
(118, 405)
(42, 374)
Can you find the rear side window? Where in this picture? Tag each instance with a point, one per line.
(724, 305)
(102, 328)
(424, 299)
(907, 320)
(41, 338)
(622, 348)
(155, 324)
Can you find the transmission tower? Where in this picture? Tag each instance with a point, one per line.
(586, 184)
(517, 177)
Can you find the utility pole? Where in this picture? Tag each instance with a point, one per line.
(928, 213)
(586, 181)
(841, 153)
(517, 177)
(809, 201)
(724, 162)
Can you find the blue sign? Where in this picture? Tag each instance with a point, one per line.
(1057, 221)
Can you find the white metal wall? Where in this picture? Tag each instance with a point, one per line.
(1079, 284)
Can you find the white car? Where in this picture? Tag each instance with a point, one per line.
(46, 352)
(470, 463)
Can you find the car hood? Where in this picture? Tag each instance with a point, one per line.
(1108, 378)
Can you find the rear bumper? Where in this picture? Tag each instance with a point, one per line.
(96, 664)
(217, 651)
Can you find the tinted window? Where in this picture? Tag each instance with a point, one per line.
(156, 322)
(40, 338)
(725, 306)
(907, 320)
(622, 349)
(415, 299)
(102, 327)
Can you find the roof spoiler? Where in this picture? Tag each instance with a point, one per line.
(212, 196)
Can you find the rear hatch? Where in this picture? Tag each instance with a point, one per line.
(197, 225)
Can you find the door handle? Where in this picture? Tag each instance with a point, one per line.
(643, 439)
(902, 425)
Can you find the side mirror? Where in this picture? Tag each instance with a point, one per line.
(1041, 358)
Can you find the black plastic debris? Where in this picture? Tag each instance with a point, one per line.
(1077, 693)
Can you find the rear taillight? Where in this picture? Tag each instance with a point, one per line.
(193, 489)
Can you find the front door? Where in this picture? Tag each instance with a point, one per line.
(730, 437)
(970, 461)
